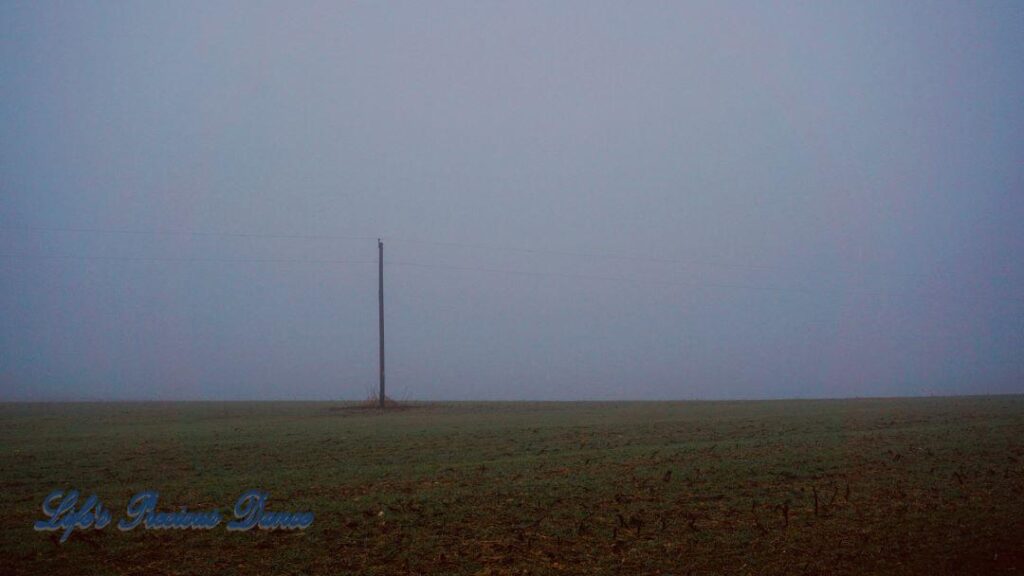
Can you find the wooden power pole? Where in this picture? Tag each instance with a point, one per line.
(380, 301)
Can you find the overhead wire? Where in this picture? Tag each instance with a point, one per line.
(423, 265)
(182, 259)
(591, 254)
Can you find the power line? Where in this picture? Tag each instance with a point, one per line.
(532, 273)
(600, 255)
(474, 246)
(200, 233)
(400, 263)
(596, 277)
(588, 254)
(184, 260)
(648, 259)
(693, 284)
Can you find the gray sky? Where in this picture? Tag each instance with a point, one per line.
(829, 197)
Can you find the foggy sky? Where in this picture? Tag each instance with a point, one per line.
(829, 197)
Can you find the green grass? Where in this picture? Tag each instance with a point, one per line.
(904, 486)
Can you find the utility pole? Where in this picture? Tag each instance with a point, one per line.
(380, 300)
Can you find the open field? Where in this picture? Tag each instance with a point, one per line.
(895, 486)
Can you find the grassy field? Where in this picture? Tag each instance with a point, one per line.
(895, 486)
